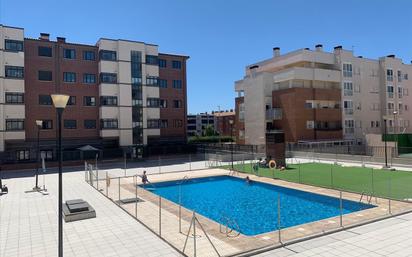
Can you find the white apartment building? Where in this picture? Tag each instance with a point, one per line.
(12, 109)
(197, 123)
(371, 91)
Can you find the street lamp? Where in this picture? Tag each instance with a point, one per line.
(39, 124)
(384, 137)
(60, 102)
(231, 143)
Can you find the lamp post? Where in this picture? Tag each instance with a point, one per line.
(39, 124)
(60, 102)
(231, 143)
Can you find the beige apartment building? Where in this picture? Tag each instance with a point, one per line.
(314, 95)
(12, 109)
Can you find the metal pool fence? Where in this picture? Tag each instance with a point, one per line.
(192, 234)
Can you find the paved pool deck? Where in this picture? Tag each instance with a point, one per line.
(28, 227)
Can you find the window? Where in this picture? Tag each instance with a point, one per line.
(162, 63)
(47, 124)
(45, 51)
(13, 45)
(89, 124)
(372, 124)
(400, 92)
(389, 75)
(14, 124)
(151, 81)
(399, 76)
(14, 72)
(108, 77)
(163, 103)
(162, 83)
(89, 55)
(163, 124)
(48, 154)
(347, 70)
(72, 100)
(391, 106)
(69, 77)
(154, 123)
(69, 53)
(348, 106)
(177, 103)
(108, 100)
(23, 155)
(348, 88)
(14, 98)
(70, 124)
(390, 90)
(108, 55)
(89, 78)
(45, 75)
(109, 123)
(349, 126)
(177, 84)
(177, 123)
(153, 102)
(310, 124)
(151, 60)
(89, 101)
(45, 100)
(405, 76)
(176, 65)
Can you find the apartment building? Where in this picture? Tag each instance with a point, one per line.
(197, 123)
(223, 126)
(124, 96)
(314, 95)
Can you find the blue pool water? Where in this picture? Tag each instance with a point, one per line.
(253, 206)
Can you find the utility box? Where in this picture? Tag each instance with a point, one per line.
(275, 147)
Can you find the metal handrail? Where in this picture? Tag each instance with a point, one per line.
(183, 180)
(229, 222)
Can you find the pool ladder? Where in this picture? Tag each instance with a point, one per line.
(228, 230)
(183, 180)
(368, 197)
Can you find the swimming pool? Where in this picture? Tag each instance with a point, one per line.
(252, 206)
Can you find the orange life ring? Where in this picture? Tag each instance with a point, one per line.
(272, 164)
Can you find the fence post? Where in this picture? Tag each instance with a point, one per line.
(135, 190)
(119, 188)
(160, 216)
(300, 178)
(331, 175)
(180, 208)
(125, 164)
(190, 161)
(160, 163)
(194, 233)
(340, 205)
(97, 178)
(390, 192)
(279, 232)
(373, 183)
(107, 184)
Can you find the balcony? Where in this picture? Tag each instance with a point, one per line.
(301, 73)
(348, 111)
(274, 114)
(349, 130)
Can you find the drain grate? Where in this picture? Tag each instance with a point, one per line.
(129, 200)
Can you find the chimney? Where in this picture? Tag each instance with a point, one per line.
(306, 48)
(319, 48)
(391, 56)
(61, 39)
(44, 36)
(338, 48)
(276, 51)
(360, 56)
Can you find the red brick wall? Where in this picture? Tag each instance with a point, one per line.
(294, 114)
(34, 88)
(170, 113)
(223, 124)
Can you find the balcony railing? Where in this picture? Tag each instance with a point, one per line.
(274, 114)
(348, 111)
(349, 130)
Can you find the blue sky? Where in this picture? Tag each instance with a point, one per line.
(223, 36)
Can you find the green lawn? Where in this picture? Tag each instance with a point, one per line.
(384, 183)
